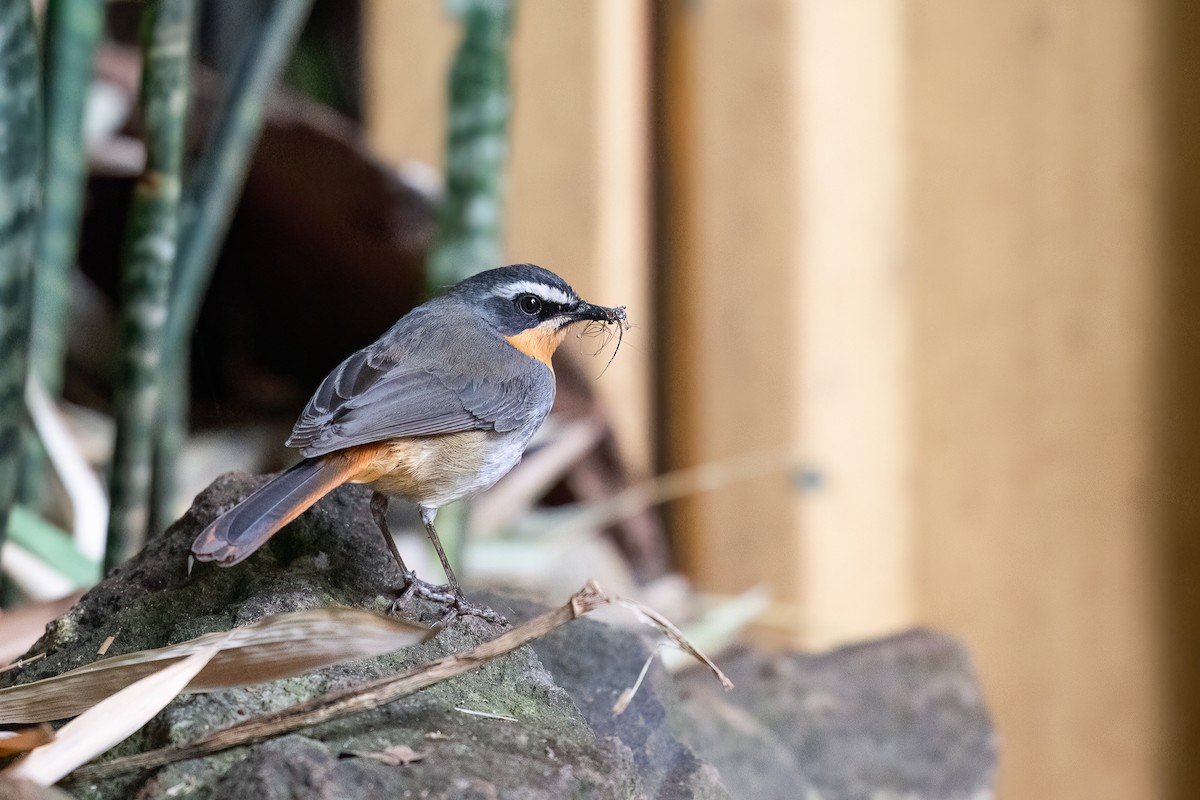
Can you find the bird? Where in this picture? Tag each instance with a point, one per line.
(439, 408)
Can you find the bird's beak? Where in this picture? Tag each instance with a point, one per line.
(587, 311)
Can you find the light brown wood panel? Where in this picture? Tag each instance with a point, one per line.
(578, 177)
(1036, 268)
(579, 181)
(853, 301)
(786, 297)
(407, 50)
(730, 154)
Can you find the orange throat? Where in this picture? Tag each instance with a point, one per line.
(539, 343)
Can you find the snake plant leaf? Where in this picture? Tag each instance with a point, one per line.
(150, 251)
(20, 200)
(71, 39)
(476, 144)
(209, 201)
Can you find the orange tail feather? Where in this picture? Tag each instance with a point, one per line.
(241, 530)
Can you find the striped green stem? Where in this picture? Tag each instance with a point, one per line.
(20, 200)
(71, 37)
(70, 40)
(476, 145)
(150, 252)
(210, 198)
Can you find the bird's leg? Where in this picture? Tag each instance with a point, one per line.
(427, 515)
(412, 585)
(379, 507)
(461, 605)
(449, 593)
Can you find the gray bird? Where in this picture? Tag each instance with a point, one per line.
(440, 407)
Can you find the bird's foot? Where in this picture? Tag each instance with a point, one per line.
(445, 595)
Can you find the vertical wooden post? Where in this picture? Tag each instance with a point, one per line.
(787, 297)
(580, 194)
(731, 155)
(853, 299)
(1036, 268)
(1176, 417)
(407, 49)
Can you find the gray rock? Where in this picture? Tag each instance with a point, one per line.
(669, 769)
(898, 718)
(902, 717)
(332, 555)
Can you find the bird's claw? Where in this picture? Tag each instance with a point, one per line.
(445, 595)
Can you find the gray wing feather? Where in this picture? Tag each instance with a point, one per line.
(394, 388)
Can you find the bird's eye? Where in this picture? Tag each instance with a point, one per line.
(529, 304)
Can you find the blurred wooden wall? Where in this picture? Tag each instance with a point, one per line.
(784, 304)
(579, 173)
(1037, 266)
(945, 254)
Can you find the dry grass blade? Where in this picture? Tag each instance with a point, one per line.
(720, 625)
(626, 697)
(657, 620)
(275, 647)
(398, 755)
(109, 722)
(24, 740)
(356, 698)
(23, 662)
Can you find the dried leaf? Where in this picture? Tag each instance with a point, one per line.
(657, 620)
(109, 721)
(275, 647)
(24, 740)
(398, 755)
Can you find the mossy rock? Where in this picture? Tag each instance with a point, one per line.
(332, 555)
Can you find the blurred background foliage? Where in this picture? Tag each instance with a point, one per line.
(176, 164)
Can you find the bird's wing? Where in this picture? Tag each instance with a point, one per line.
(382, 392)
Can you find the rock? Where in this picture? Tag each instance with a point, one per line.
(332, 555)
(668, 768)
(903, 715)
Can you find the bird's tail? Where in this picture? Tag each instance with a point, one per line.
(247, 526)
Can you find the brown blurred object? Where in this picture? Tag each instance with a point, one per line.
(325, 252)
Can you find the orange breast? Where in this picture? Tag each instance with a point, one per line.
(538, 343)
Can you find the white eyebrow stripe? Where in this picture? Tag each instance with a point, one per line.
(549, 293)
